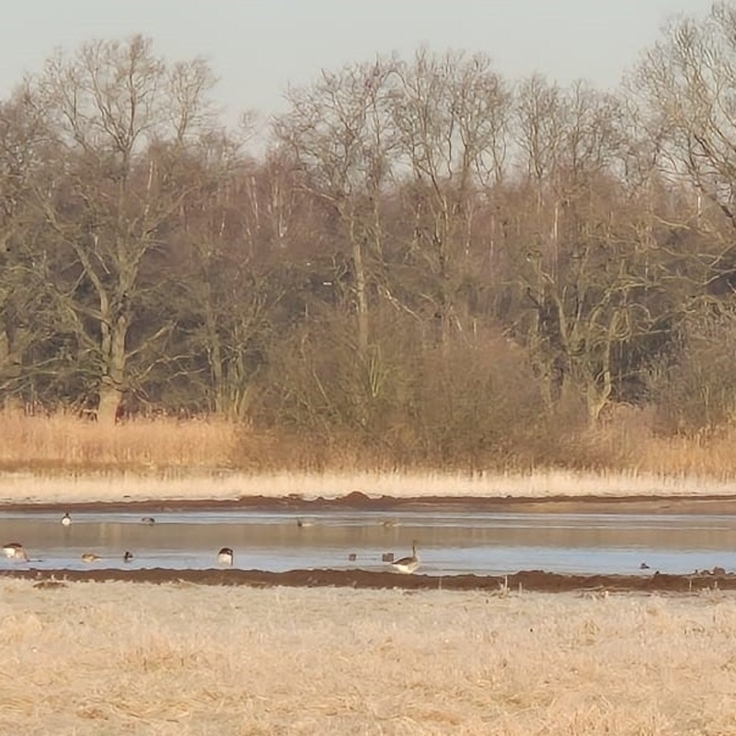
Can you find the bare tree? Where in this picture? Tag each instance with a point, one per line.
(25, 310)
(687, 83)
(337, 129)
(586, 275)
(451, 115)
(686, 90)
(235, 226)
(121, 118)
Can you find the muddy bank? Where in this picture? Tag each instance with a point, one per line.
(356, 501)
(529, 580)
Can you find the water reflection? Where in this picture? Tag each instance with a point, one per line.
(449, 543)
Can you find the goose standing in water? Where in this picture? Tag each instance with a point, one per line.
(66, 520)
(225, 557)
(15, 551)
(128, 556)
(408, 565)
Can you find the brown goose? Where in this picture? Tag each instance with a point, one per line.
(408, 565)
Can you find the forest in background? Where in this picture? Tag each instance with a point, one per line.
(426, 265)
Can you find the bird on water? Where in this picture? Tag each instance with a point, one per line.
(15, 551)
(66, 520)
(407, 565)
(128, 556)
(90, 557)
(225, 557)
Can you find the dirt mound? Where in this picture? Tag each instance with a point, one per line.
(530, 580)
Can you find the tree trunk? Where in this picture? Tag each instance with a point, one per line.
(113, 380)
(111, 398)
(362, 299)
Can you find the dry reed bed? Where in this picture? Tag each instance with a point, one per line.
(63, 441)
(117, 658)
(72, 460)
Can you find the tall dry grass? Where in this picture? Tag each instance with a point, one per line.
(62, 458)
(628, 441)
(64, 442)
(118, 658)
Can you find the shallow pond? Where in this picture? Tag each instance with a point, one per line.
(448, 542)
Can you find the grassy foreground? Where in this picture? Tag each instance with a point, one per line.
(117, 658)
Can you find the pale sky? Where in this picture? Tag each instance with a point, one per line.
(256, 47)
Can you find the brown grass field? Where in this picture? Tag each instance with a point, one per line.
(123, 658)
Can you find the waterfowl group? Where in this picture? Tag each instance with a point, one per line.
(16, 551)
(225, 557)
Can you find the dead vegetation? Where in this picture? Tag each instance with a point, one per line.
(65, 459)
(119, 658)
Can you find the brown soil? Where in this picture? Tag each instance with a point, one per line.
(357, 501)
(530, 580)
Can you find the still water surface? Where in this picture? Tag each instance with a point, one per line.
(449, 542)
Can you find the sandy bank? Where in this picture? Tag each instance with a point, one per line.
(27, 488)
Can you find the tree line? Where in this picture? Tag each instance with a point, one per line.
(428, 258)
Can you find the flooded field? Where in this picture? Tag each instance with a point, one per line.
(449, 543)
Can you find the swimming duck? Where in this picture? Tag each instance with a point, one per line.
(225, 556)
(15, 551)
